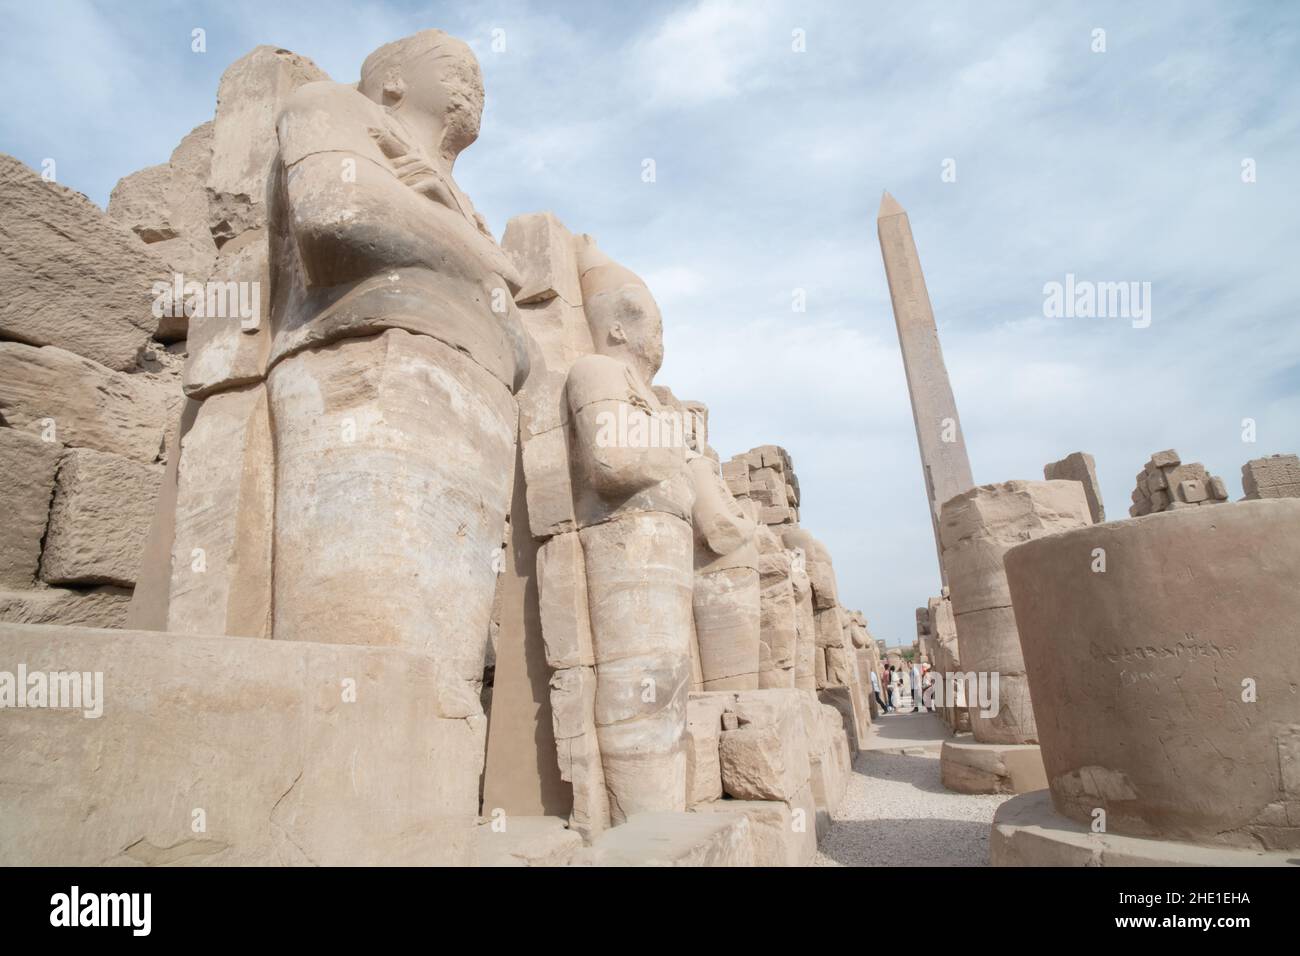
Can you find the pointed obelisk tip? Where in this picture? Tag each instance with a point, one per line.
(889, 207)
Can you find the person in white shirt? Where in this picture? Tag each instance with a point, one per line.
(917, 704)
(875, 690)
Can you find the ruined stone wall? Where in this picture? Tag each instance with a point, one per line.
(89, 397)
(1277, 476)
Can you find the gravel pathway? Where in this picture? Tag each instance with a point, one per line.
(895, 812)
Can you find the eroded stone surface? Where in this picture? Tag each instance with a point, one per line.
(74, 401)
(72, 277)
(28, 465)
(1152, 675)
(103, 504)
(399, 763)
(221, 552)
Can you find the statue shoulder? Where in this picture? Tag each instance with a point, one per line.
(595, 378)
(325, 116)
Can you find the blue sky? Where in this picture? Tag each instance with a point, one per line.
(1115, 166)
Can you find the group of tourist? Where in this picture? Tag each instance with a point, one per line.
(887, 686)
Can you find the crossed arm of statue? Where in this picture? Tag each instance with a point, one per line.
(363, 200)
(717, 516)
(601, 401)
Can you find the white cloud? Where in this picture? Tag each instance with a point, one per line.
(707, 51)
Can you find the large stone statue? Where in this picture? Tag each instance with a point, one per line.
(805, 654)
(632, 504)
(726, 595)
(779, 633)
(395, 352)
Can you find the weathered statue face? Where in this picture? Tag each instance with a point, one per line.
(446, 83)
(624, 318)
(431, 81)
(634, 329)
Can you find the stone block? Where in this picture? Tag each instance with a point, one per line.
(512, 840)
(562, 600)
(82, 404)
(167, 207)
(1166, 459)
(675, 839)
(967, 766)
(104, 606)
(28, 465)
(784, 833)
(548, 483)
(703, 733)
(225, 495)
(103, 505)
(766, 756)
(841, 698)
(1080, 467)
(257, 734)
(978, 526)
(1277, 476)
(542, 250)
(228, 350)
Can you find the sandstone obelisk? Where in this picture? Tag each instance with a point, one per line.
(938, 430)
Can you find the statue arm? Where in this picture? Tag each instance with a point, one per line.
(598, 401)
(715, 513)
(354, 209)
(346, 231)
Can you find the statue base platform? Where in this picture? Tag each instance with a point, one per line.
(199, 750)
(1027, 831)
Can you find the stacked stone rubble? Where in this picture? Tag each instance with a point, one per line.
(765, 475)
(1166, 484)
(777, 756)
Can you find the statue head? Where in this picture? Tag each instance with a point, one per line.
(624, 318)
(431, 81)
